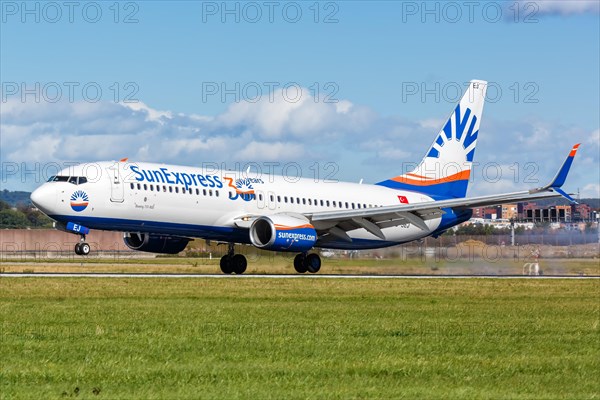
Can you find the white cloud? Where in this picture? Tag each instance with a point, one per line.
(343, 106)
(432, 123)
(559, 7)
(152, 114)
(274, 117)
(591, 190)
(594, 139)
(267, 151)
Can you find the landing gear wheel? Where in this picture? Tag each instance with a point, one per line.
(300, 263)
(84, 249)
(225, 264)
(313, 263)
(238, 264)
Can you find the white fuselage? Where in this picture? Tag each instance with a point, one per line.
(215, 205)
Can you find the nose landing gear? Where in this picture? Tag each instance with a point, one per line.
(82, 248)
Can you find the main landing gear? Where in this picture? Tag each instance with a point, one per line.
(82, 248)
(233, 263)
(307, 263)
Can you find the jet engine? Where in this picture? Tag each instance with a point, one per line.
(283, 233)
(155, 243)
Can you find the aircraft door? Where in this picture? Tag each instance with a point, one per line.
(117, 189)
(260, 200)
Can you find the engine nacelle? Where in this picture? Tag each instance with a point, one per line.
(155, 243)
(283, 232)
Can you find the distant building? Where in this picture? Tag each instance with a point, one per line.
(533, 212)
(509, 211)
(487, 212)
(581, 212)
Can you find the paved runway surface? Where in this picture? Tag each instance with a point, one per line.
(294, 276)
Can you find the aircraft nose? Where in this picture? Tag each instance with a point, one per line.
(44, 198)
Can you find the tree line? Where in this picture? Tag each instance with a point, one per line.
(22, 217)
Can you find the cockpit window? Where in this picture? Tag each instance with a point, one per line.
(75, 180)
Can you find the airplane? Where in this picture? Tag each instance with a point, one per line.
(160, 207)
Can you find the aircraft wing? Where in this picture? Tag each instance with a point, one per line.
(374, 219)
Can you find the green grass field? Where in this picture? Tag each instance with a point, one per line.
(299, 338)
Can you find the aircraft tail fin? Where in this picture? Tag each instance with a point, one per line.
(445, 170)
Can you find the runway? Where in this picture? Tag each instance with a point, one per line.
(283, 276)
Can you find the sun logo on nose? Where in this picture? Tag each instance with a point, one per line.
(79, 200)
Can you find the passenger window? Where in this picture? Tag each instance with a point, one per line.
(176, 189)
(347, 205)
(197, 191)
(297, 200)
(291, 200)
(210, 192)
(327, 202)
(216, 193)
(170, 189)
(271, 197)
(279, 199)
(309, 202)
(164, 188)
(285, 199)
(204, 192)
(260, 197)
(131, 186)
(152, 188)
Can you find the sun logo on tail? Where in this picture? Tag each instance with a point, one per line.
(79, 200)
(459, 129)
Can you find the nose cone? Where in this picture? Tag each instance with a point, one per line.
(44, 198)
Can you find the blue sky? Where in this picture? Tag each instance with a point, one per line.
(374, 58)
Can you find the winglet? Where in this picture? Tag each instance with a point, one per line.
(560, 177)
